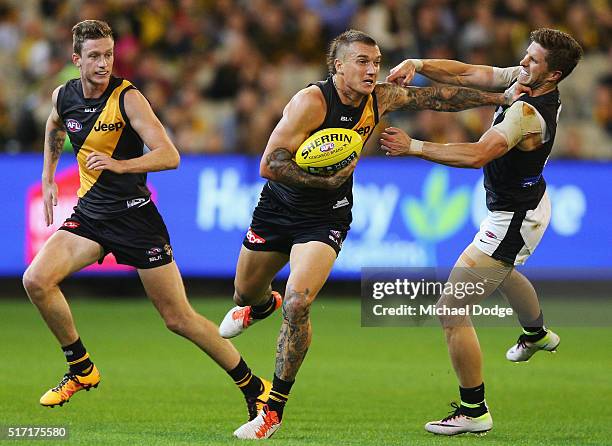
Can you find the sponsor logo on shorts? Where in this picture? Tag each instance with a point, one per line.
(341, 203)
(155, 258)
(135, 202)
(254, 238)
(336, 237)
(168, 250)
(73, 125)
(490, 234)
(154, 251)
(71, 224)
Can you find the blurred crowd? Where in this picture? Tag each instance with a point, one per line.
(218, 73)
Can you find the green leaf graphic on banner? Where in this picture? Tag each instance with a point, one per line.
(434, 188)
(416, 218)
(454, 214)
(440, 214)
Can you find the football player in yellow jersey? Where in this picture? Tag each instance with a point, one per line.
(302, 219)
(114, 214)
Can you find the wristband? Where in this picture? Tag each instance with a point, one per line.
(418, 64)
(416, 146)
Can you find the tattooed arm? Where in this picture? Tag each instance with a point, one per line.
(55, 135)
(304, 113)
(392, 97)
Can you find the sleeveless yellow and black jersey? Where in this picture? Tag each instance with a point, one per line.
(312, 204)
(101, 125)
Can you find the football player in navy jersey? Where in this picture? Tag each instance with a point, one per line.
(512, 153)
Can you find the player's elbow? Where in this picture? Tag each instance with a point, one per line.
(484, 153)
(477, 161)
(174, 160)
(265, 171)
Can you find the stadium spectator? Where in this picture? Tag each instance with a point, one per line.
(228, 45)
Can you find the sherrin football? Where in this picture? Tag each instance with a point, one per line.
(329, 150)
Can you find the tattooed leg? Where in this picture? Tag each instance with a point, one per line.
(295, 334)
(311, 263)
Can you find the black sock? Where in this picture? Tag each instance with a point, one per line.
(264, 310)
(534, 330)
(78, 358)
(279, 395)
(250, 384)
(473, 400)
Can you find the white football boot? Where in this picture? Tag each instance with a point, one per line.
(523, 349)
(459, 423)
(239, 319)
(263, 426)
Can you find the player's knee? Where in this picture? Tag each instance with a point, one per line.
(178, 323)
(296, 305)
(449, 312)
(175, 324)
(35, 283)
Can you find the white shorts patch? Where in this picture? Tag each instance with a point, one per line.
(513, 236)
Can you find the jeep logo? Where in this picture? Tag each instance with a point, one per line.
(102, 127)
(364, 131)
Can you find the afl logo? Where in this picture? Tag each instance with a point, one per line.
(73, 125)
(327, 147)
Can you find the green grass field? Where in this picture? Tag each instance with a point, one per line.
(358, 386)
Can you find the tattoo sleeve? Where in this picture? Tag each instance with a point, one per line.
(55, 141)
(441, 98)
(281, 163)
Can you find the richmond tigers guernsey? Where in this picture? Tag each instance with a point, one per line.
(101, 125)
(311, 205)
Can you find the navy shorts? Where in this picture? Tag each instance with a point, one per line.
(138, 238)
(264, 235)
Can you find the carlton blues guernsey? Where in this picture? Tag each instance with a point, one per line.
(101, 125)
(514, 182)
(305, 206)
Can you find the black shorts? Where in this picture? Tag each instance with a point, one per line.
(138, 238)
(264, 235)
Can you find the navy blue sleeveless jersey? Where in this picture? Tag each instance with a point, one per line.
(101, 125)
(514, 182)
(292, 205)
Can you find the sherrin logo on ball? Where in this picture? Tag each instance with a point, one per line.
(329, 150)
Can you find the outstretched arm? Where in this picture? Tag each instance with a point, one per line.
(491, 145)
(392, 97)
(55, 135)
(521, 129)
(455, 73)
(304, 113)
